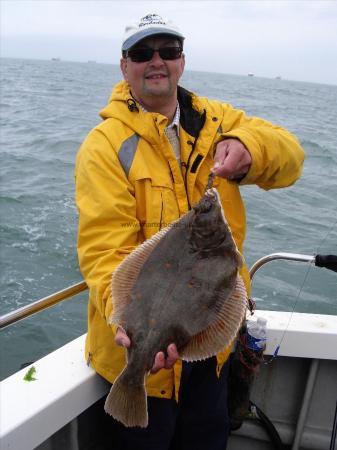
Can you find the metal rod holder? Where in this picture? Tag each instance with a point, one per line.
(274, 256)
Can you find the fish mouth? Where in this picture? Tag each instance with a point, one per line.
(212, 196)
(209, 201)
(212, 193)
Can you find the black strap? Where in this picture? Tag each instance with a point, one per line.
(269, 427)
(326, 261)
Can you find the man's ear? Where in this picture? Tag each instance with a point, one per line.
(123, 66)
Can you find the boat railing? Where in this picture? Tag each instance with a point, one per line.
(43, 303)
(327, 261)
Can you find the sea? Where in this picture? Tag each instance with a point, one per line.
(47, 109)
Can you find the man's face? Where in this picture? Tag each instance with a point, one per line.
(157, 78)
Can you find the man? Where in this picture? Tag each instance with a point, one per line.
(141, 168)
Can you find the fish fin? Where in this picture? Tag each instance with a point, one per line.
(125, 276)
(222, 332)
(127, 403)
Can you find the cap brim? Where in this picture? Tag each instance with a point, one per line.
(133, 40)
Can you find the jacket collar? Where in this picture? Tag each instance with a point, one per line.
(122, 106)
(191, 119)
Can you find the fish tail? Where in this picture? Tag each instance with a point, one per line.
(127, 403)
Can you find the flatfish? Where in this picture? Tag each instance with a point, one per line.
(181, 286)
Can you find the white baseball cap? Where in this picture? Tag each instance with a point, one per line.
(149, 25)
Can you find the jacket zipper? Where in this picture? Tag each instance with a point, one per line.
(187, 166)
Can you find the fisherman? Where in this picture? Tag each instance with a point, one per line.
(143, 167)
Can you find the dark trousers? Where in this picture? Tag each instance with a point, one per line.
(198, 422)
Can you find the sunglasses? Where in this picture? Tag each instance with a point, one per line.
(145, 54)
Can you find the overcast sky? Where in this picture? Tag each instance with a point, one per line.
(293, 39)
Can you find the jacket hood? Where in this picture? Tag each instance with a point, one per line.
(119, 97)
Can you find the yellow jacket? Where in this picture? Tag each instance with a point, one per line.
(129, 185)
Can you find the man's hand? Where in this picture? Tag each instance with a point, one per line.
(160, 362)
(122, 339)
(232, 160)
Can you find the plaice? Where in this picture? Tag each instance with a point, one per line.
(180, 286)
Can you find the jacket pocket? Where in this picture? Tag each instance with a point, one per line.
(156, 204)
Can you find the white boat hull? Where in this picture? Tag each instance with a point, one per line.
(297, 391)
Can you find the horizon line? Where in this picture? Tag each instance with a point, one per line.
(248, 74)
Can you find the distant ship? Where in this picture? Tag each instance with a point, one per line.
(250, 74)
(278, 77)
(56, 59)
(91, 61)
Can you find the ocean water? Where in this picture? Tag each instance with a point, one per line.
(48, 107)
